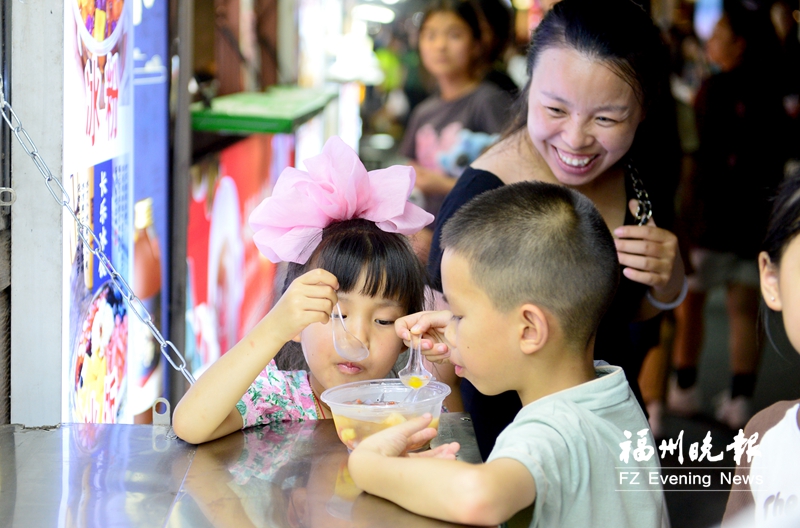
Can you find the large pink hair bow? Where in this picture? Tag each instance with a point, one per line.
(288, 225)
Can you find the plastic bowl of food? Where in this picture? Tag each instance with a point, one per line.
(363, 408)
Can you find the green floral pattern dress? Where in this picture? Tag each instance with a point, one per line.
(277, 396)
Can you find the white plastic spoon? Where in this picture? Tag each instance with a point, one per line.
(346, 344)
(415, 375)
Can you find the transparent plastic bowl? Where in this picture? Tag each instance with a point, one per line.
(363, 408)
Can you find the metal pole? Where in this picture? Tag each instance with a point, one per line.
(181, 163)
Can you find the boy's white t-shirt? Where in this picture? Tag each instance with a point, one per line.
(571, 440)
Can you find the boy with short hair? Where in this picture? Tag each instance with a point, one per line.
(528, 269)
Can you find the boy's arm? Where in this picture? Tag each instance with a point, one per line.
(483, 494)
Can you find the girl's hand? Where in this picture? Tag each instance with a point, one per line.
(430, 326)
(650, 255)
(310, 298)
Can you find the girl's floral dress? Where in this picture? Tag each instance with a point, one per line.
(277, 396)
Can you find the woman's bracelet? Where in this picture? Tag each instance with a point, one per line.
(670, 305)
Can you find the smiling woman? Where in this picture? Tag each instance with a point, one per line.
(580, 134)
(596, 116)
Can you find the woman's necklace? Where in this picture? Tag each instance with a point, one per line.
(317, 405)
(645, 209)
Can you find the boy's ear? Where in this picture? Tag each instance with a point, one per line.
(535, 328)
(769, 282)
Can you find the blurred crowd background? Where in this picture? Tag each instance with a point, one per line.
(725, 57)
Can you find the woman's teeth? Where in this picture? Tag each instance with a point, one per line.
(573, 161)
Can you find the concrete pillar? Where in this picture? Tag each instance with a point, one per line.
(37, 252)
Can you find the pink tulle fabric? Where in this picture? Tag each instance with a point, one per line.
(288, 225)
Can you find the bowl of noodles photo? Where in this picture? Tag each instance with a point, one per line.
(98, 365)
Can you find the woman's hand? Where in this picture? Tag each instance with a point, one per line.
(430, 327)
(650, 255)
(309, 299)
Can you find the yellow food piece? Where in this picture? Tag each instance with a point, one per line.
(348, 434)
(345, 487)
(94, 374)
(415, 382)
(394, 419)
(99, 32)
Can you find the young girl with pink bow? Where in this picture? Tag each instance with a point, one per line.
(342, 230)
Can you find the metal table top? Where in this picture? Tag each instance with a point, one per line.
(291, 475)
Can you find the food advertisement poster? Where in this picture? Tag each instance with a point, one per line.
(98, 172)
(146, 366)
(230, 284)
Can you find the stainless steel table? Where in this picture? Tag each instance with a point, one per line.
(290, 475)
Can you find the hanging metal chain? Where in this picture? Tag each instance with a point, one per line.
(88, 237)
(645, 209)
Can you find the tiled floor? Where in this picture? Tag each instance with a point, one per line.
(778, 379)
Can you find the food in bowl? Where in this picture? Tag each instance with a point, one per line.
(98, 361)
(363, 408)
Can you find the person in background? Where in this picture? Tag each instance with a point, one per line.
(740, 118)
(773, 492)
(450, 128)
(496, 31)
(785, 17)
(595, 116)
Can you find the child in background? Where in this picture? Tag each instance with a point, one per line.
(525, 310)
(342, 230)
(727, 203)
(774, 492)
(450, 128)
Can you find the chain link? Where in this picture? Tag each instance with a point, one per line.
(88, 237)
(644, 211)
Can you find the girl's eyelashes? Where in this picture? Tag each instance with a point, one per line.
(554, 111)
(382, 322)
(456, 318)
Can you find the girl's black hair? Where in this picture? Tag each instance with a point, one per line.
(784, 221)
(464, 9)
(783, 227)
(620, 34)
(352, 248)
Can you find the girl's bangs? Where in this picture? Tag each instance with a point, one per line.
(388, 265)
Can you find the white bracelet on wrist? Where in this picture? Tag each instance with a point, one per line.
(670, 305)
